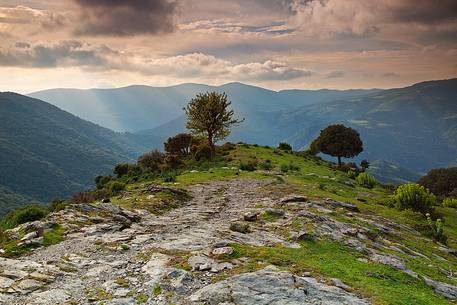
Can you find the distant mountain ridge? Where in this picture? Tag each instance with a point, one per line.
(136, 108)
(46, 152)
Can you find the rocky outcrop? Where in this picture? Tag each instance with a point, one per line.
(273, 287)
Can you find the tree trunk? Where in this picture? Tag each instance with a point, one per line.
(211, 145)
(339, 161)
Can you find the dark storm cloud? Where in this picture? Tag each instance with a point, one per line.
(66, 53)
(425, 11)
(126, 17)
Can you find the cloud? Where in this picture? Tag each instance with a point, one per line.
(335, 74)
(331, 17)
(66, 53)
(207, 66)
(125, 17)
(101, 58)
(390, 74)
(14, 17)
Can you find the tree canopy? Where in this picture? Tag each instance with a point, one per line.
(209, 115)
(339, 141)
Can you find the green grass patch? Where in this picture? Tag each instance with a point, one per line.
(380, 283)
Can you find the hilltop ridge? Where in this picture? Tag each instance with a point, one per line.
(295, 230)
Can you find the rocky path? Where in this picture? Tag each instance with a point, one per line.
(117, 256)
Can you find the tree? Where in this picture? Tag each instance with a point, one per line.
(152, 160)
(440, 181)
(208, 114)
(180, 144)
(339, 141)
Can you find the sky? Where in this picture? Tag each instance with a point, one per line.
(277, 44)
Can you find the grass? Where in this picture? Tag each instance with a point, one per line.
(13, 248)
(382, 284)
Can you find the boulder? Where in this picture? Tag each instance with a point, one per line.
(240, 227)
(250, 216)
(218, 252)
(275, 212)
(270, 286)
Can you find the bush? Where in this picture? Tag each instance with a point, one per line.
(440, 181)
(366, 179)
(101, 181)
(173, 161)
(266, 165)
(152, 160)
(436, 229)
(450, 203)
(89, 196)
(284, 146)
(115, 187)
(415, 197)
(289, 167)
(203, 152)
(250, 165)
(25, 214)
(180, 144)
(352, 174)
(121, 169)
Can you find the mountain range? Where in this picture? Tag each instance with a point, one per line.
(55, 145)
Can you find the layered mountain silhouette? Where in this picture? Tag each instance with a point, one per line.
(47, 152)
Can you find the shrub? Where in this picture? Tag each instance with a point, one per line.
(415, 197)
(57, 205)
(180, 144)
(284, 146)
(364, 165)
(152, 160)
(203, 152)
(115, 187)
(173, 161)
(101, 181)
(250, 165)
(266, 165)
(25, 214)
(436, 229)
(289, 167)
(366, 179)
(440, 181)
(121, 169)
(352, 174)
(450, 203)
(89, 196)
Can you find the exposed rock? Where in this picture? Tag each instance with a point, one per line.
(275, 212)
(294, 198)
(222, 251)
(303, 236)
(348, 206)
(338, 283)
(268, 286)
(446, 290)
(240, 227)
(250, 216)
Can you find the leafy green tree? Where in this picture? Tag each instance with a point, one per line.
(209, 114)
(339, 141)
(180, 144)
